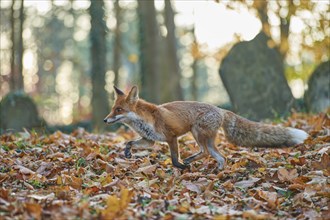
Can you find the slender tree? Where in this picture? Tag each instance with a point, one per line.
(117, 43)
(195, 54)
(100, 102)
(173, 88)
(284, 10)
(20, 49)
(262, 11)
(285, 22)
(149, 51)
(13, 48)
(17, 50)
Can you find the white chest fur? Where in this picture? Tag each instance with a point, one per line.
(143, 128)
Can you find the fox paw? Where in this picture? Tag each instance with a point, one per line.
(221, 164)
(180, 165)
(186, 162)
(128, 153)
(128, 147)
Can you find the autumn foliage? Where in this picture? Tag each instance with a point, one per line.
(86, 176)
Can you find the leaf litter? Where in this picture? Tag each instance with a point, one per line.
(86, 176)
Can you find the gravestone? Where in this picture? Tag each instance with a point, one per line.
(253, 75)
(317, 97)
(18, 111)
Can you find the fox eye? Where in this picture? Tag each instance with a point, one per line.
(119, 109)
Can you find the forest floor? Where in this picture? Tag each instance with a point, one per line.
(86, 176)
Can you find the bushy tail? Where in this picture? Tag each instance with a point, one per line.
(243, 132)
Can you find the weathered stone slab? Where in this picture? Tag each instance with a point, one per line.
(18, 111)
(253, 75)
(317, 97)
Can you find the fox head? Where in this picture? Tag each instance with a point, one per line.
(123, 105)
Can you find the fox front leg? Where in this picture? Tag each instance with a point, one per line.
(173, 143)
(137, 143)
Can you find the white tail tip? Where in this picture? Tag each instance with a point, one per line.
(298, 136)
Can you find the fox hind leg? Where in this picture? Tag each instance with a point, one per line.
(215, 153)
(202, 153)
(205, 140)
(195, 157)
(203, 149)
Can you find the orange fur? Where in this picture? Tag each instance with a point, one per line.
(168, 121)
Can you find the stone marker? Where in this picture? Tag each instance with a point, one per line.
(253, 75)
(18, 111)
(317, 97)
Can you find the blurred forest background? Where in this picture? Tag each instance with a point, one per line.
(67, 54)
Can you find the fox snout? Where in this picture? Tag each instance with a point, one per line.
(109, 120)
(114, 119)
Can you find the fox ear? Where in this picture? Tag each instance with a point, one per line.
(118, 91)
(133, 95)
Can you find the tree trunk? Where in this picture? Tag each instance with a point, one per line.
(16, 63)
(284, 40)
(262, 9)
(117, 43)
(285, 27)
(20, 81)
(196, 56)
(194, 87)
(173, 87)
(13, 49)
(149, 51)
(100, 102)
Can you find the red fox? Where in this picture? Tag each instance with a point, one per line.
(168, 121)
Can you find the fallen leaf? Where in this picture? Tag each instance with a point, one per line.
(147, 169)
(324, 163)
(34, 210)
(115, 206)
(112, 209)
(75, 182)
(23, 170)
(143, 153)
(43, 167)
(50, 196)
(147, 183)
(3, 177)
(269, 197)
(246, 183)
(319, 121)
(106, 180)
(125, 197)
(287, 175)
(252, 214)
(191, 186)
(4, 193)
(228, 185)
